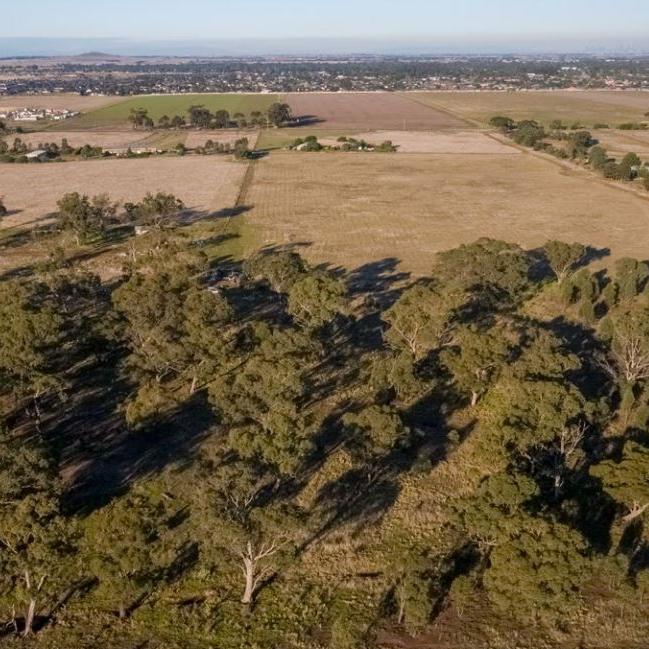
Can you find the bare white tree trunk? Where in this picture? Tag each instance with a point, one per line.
(252, 571)
(29, 618)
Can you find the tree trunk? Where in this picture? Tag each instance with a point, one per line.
(474, 398)
(249, 571)
(122, 611)
(29, 618)
(402, 608)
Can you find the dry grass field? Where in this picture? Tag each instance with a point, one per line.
(59, 101)
(352, 209)
(368, 111)
(618, 143)
(446, 141)
(585, 107)
(104, 139)
(205, 184)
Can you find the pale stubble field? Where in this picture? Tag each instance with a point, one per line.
(350, 209)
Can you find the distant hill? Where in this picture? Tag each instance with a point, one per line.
(85, 55)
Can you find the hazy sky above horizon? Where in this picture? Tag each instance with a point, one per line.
(268, 19)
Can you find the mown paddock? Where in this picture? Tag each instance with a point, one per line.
(104, 139)
(368, 111)
(352, 209)
(443, 141)
(586, 107)
(618, 143)
(205, 184)
(116, 115)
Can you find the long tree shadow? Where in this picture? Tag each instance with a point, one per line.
(99, 456)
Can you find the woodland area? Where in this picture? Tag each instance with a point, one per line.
(304, 458)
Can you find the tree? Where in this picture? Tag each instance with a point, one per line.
(495, 271)
(263, 401)
(538, 573)
(534, 399)
(139, 118)
(230, 499)
(631, 277)
(563, 258)
(630, 164)
(476, 358)
(281, 270)
(37, 543)
(126, 548)
(317, 299)
(528, 133)
(155, 210)
(29, 336)
(221, 119)
(502, 122)
(534, 568)
(178, 335)
(279, 114)
(627, 480)
(423, 319)
(87, 218)
(629, 358)
(200, 117)
(241, 149)
(374, 431)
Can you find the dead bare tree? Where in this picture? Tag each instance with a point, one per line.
(33, 590)
(565, 449)
(253, 570)
(635, 511)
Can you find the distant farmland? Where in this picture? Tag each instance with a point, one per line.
(369, 111)
(116, 115)
(586, 107)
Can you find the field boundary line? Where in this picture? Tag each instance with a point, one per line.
(442, 109)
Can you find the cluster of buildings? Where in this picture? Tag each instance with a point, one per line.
(37, 114)
(111, 75)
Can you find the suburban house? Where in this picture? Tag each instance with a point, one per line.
(39, 154)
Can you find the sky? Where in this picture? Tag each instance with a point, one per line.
(450, 24)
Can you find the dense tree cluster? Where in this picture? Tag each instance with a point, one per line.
(327, 469)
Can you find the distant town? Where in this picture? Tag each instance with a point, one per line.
(105, 74)
(37, 114)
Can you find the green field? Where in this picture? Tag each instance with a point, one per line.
(116, 115)
(584, 107)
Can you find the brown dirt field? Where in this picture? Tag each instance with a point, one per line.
(205, 184)
(58, 101)
(586, 107)
(363, 111)
(349, 210)
(104, 139)
(619, 143)
(470, 141)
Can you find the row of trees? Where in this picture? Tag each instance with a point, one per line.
(199, 116)
(580, 146)
(317, 496)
